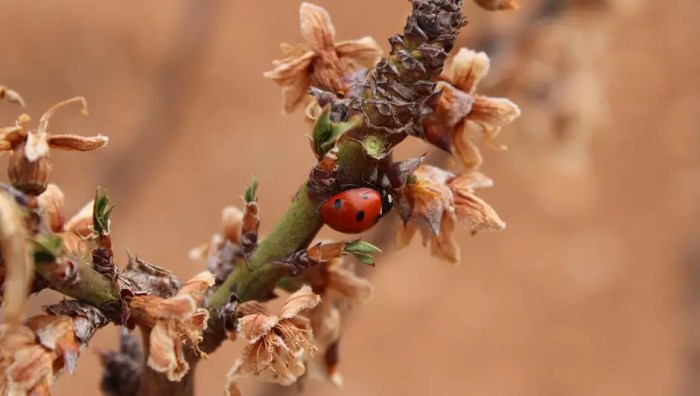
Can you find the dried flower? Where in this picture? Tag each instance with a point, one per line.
(461, 113)
(174, 322)
(339, 288)
(32, 355)
(435, 200)
(51, 202)
(29, 168)
(498, 5)
(320, 62)
(278, 344)
(17, 265)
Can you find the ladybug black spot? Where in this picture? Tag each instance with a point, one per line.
(360, 216)
(337, 204)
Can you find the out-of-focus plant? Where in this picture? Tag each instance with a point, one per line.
(362, 106)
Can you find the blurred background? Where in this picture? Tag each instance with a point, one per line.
(594, 287)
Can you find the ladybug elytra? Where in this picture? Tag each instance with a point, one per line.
(352, 211)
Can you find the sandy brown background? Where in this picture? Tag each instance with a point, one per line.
(591, 290)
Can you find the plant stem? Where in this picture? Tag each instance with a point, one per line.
(295, 230)
(90, 286)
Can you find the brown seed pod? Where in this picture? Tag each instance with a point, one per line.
(30, 177)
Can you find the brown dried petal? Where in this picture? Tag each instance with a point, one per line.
(81, 223)
(232, 221)
(51, 202)
(443, 245)
(183, 305)
(30, 368)
(165, 354)
(76, 142)
(56, 333)
(475, 214)
(87, 319)
(316, 27)
(465, 149)
(10, 137)
(254, 326)
(467, 70)
(325, 252)
(292, 75)
(364, 51)
(76, 246)
(301, 300)
(19, 268)
(491, 114)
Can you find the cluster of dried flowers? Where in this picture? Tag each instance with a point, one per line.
(362, 106)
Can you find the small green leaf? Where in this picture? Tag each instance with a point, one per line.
(101, 211)
(325, 132)
(362, 251)
(47, 248)
(251, 191)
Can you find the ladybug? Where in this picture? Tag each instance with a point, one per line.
(353, 211)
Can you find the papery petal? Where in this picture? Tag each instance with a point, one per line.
(288, 71)
(165, 353)
(232, 221)
(496, 112)
(301, 300)
(470, 181)
(189, 297)
(475, 214)
(465, 149)
(76, 142)
(443, 245)
(18, 266)
(316, 27)
(468, 68)
(364, 51)
(51, 202)
(11, 136)
(254, 326)
(81, 223)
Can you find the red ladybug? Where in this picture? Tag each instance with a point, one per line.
(352, 211)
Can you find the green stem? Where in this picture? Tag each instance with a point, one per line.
(295, 230)
(91, 286)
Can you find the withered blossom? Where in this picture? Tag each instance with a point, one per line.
(498, 5)
(339, 288)
(173, 322)
(320, 61)
(29, 167)
(33, 354)
(17, 266)
(435, 201)
(51, 202)
(278, 344)
(461, 114)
